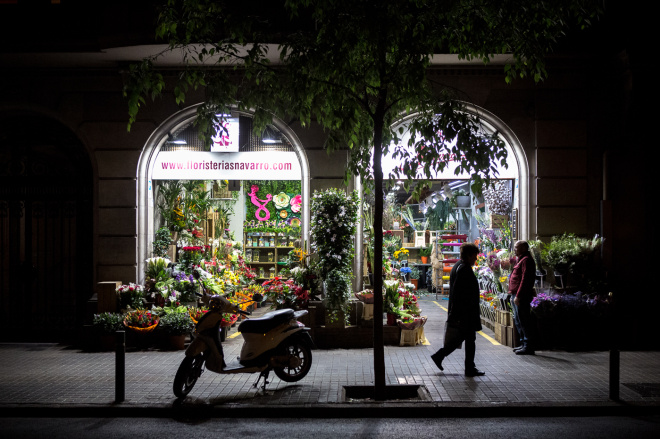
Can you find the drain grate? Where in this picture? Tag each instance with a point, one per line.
(402, 392)
(646, 390)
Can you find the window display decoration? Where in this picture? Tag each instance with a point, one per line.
(261, 204)
(281, 200)
(296, 203)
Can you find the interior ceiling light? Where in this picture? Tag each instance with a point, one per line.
(270, 136)
(176, 140)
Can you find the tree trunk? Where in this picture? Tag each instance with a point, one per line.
(379, 348)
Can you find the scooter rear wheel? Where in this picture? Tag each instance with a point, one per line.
(300, 356)
(187, 374)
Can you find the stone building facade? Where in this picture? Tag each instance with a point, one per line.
(573, 133)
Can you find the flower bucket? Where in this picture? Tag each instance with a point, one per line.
(107, 342)
(229, 322)
(417, 323)
(365, 297)
(176, 342)
(391, 319)
(145, 330)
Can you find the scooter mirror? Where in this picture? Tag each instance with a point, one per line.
(258, 297)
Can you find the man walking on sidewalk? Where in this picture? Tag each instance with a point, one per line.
(463, 320)
(521, 288)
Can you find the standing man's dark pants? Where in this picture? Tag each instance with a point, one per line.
(516, 322)
(527, 324)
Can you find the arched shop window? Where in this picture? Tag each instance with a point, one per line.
(445, 205)
(243, 187)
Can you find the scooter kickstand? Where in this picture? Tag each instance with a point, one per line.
(263, 375)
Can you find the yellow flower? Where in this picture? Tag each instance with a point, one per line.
(400, 253)
(503, 279)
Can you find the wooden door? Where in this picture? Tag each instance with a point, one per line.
(45, 230)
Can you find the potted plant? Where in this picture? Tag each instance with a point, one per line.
(176, 324)
(105, 325)
(570, 254)
(462, 198)
(141, 323)
(414, 276)
(424, 253)
(161, 243)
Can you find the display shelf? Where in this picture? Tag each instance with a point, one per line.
(278, 253)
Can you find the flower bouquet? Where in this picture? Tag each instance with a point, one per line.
(197, 313)
(131, 296)
(141, 321)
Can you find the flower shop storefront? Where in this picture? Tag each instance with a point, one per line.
(246, 189)
(224, 218)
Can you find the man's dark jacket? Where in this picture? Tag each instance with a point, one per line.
(463, 298)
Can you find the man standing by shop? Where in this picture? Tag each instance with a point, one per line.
(463, 320)
(521, 288)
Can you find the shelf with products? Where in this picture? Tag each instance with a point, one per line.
(267, 258)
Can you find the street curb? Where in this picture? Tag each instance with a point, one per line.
(343, 410)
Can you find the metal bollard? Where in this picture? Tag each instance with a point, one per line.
(615, 355)
(120, 366)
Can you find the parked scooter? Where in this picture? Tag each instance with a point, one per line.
(276, 341)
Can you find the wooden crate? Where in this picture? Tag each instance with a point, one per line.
(107, 296)
(510, 342)
(500, 333)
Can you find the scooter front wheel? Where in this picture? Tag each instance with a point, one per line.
(186, 377)
(299, 358)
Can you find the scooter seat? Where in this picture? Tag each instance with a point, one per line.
(266, 322)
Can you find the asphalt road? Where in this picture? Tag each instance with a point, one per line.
(473, 428)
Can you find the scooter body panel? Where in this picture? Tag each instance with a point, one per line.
(257, 344)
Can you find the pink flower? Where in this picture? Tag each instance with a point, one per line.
(296, 202)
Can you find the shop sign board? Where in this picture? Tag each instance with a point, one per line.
(226, 136)
(204, 165)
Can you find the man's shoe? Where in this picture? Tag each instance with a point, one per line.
(437, 359)
(519, 348)
(525, 351)
(474, 373)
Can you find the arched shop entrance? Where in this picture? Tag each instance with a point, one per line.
(244, 178)
(414, 221)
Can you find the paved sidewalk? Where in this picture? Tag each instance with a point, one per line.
(38, 376)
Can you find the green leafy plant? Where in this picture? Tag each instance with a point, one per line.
(334, 223)
(176, 323)
(161, 242)
(414, 273)
(338, 292)
(569, 252)
(107, 323)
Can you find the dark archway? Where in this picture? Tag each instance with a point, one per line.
(46, 247)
